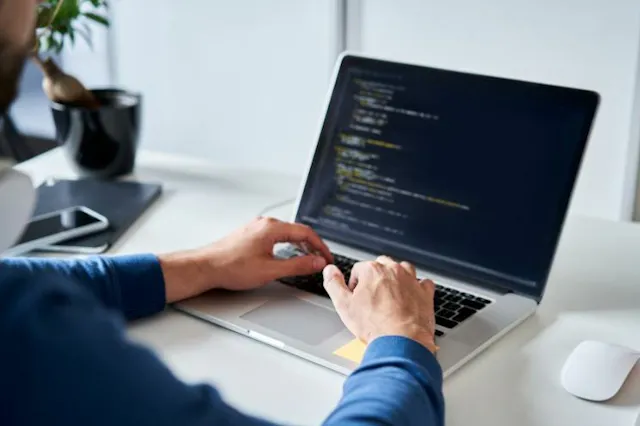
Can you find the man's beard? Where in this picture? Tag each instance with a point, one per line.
(12, 61)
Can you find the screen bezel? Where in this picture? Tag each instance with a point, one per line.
(590, 99)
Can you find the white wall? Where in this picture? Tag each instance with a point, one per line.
(593, 44)
(233, 81)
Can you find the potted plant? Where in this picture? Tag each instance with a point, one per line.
(98, 129)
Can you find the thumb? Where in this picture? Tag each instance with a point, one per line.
(298, 265)
(335, 286)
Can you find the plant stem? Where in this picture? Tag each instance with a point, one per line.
(48, 66)
(55, 12)
(38, 61)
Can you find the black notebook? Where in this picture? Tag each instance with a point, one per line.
(119, 201)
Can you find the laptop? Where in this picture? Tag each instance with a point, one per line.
(467, 176)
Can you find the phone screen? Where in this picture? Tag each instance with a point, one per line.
(65, 221)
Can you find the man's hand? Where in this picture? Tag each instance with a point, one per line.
(384, 298)
(243, 260)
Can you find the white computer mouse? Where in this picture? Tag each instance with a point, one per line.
(597, 370)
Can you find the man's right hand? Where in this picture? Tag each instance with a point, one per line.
(384, 298)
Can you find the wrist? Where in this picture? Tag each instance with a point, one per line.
(186, 274)
(418, 334)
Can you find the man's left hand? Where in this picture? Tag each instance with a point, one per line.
(243, 260)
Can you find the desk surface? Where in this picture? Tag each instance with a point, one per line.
(593, 293)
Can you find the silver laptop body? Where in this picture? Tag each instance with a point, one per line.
(306, 325)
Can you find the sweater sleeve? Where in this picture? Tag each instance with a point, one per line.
(132, 285)
(398, 383)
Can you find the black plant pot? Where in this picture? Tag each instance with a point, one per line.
(103, 142)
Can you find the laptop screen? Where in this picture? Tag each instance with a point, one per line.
(463, 174)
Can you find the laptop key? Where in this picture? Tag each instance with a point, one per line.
(463, 314)
(451, 306)
(472, 304)
(439, 333)
(444, 322)
(445, 313)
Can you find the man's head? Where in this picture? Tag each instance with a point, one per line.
(17, 22)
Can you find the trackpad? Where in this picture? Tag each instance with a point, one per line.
(298, 319)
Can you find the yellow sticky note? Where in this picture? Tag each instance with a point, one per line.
(353, 351)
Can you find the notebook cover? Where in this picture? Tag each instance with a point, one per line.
(119, 201)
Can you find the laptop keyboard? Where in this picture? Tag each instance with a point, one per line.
(454, 306)
(315, 283)
(451, 306)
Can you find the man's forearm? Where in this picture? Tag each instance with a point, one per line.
(398, 383)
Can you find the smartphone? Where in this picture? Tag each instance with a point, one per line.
(73, 248)
(56, 227)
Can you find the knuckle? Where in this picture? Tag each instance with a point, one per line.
(375, 267)
(266, 222)
(359, 266)
(397, 268)
(305, 228)
(332, 279)
(408, 265)
(428, 284)
(300, 231)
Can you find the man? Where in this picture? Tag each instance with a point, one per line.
(64, 356)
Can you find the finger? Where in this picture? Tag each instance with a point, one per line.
(283, 232)
(430, 287)
(428, 284)
(385, 260)
(340, 295)
(409, 268)
(356, 273)
(335, 286)
(298, 265)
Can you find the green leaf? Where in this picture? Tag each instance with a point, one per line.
(54, 30)
(43, 16)
(97, 18)
(69, 10)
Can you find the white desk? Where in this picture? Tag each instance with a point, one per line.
(594, 292)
